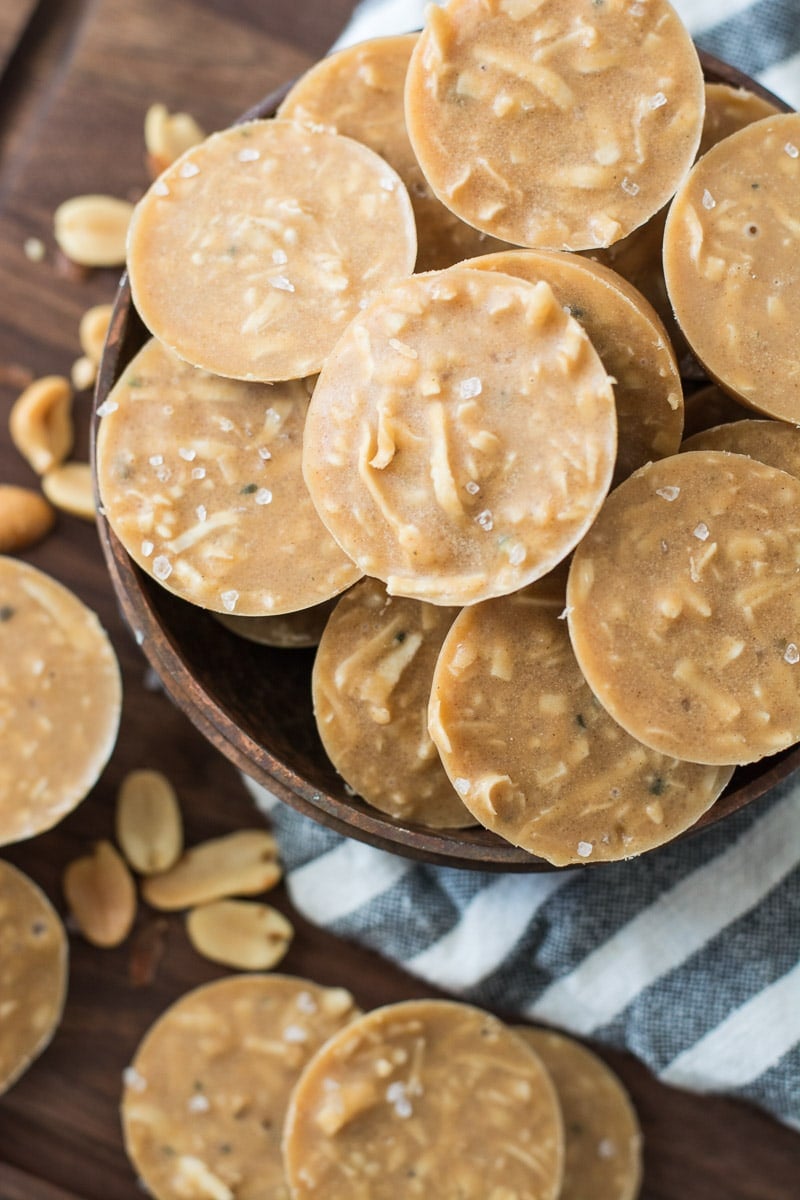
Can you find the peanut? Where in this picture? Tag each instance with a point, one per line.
(149, 824)
(101, 894)
(240, 864)
(40, 422)
(241, 934)
(69, 487)
(93, 330)
(91, 230)
(25, 518)
(167, 135)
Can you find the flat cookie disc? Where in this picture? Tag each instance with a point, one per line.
(289, 631)
(684, 609)
(729, 109)
(33, 973)
(60, 700)
(732, 264)
(632, 343)
(554, 123)
(371, 685)
(532, 753)
(358, 92)
(461, 437)
(201, 480)
(424, 1098)
(249, 255)
(205, 1097)
(770, 442)
(602, 1138)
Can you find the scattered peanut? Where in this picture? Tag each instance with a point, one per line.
(83, 373)
(101, 894)
(149, 824)
(93, 330)
(40, 422)
(69, 487)
(167, 135)
(240, 864)
(242, 934)
(25, 518)
(91, 230)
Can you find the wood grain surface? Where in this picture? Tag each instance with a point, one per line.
(77, 77)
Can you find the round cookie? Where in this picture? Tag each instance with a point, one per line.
(358, 92)
(561, 125)
(729, 109)
(770, 442)
(417, 1093)
(205, 1097)
(201, 480)
(632, 343)
(462, 436)
(371, 685)
(602, 1138)
(710, 406)
(289, 631)
(732, 264)
(33, 973)
(249, 254)
(534, 756)
(684, 609)
(60, 700)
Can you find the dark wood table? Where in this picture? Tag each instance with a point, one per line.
(76, 77)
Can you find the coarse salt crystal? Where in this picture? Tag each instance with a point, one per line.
(168, 410)
(461, 786)
(198, 1103)
(188, 455)
(516, 555)
(708, 200)
(485, 520)
(470, 387)
(225, 425)
(132, 1079)
(306, 1002)
(198, 473)
(295, 1033)
(249, 155)
(472, 487)
(701, 531)
(630, 186)
(108, 406)
(792, 654)
(201, 512)
(163, 474)
(388, 184)
(263, 496)
(282, 283)
(397, 1096)
(606, 1148)
(160, 188)
(279, 257)
(668, 493)
(162, 567)
(791, 150)
(264, 453)
(147, 548)
(658, 101)
(188, 170)
(229, 600)
(139, 637)
(156, 460)
(584, 849)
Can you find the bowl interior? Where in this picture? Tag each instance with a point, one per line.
(253, 702)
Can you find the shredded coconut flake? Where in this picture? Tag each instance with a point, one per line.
(701, 532)
(147, 548)
(156, 460)
(198, 1103)
(199, 473)
(562, 616)
(160, 188)
(108, 406)
(306, 1002)
(229, 600)
(470, 387)
(791, 150)
(584, 849)
(708, 200)
(668, 493)
(472, 487)
(263, 496)
(188, 170)
(281, 283)
(485, 520)
(792, 654)
(295, 1033)
(461, 786)
(188, 455)
(402, 348)
(162, 567)
(658, 101)
(249, 155)
(630, 186)
(516, 554)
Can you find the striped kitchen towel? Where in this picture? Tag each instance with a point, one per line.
(688, 957)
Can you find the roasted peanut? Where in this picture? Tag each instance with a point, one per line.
(25, 518)
(149, 824)
(101, 894)
(242, 934)
(69, 487)
(240, 864)
(40, 422)
(167, 135)
(91, 230)
(93, 330)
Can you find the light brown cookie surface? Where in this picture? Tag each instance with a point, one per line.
(772, 442)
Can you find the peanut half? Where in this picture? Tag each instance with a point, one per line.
(25, 518)
(91, 230)
(239, 864)
(149, 823)
(93, 330)
(242, 934)
(69, 487)
(40, 422)
(101, 894)
(167, 135)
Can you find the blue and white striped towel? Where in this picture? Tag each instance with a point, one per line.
(690, 956)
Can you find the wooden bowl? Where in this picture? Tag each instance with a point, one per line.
(254, 702)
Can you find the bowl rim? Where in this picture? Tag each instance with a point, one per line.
(138, 597)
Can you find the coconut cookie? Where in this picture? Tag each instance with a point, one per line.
(729, 109)
(732, 264)
(684, 609)
(770, 442)
(534, 756)
(289, 631)
(630, 339)
(201, 480)
(462, 436)
(388, 1109)
(358, 92)
(205, 1097)
(371, 685)
(250, 254)
(602, 1138)
(552, 124)
(60, 700)
(33, 973)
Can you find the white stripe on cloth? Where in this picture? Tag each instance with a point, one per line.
(747, 1043)
(698, 15)
(678, 924)
(784, 80)
(489, 928)
(337, 883)
(264, 800)
(380, 18)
